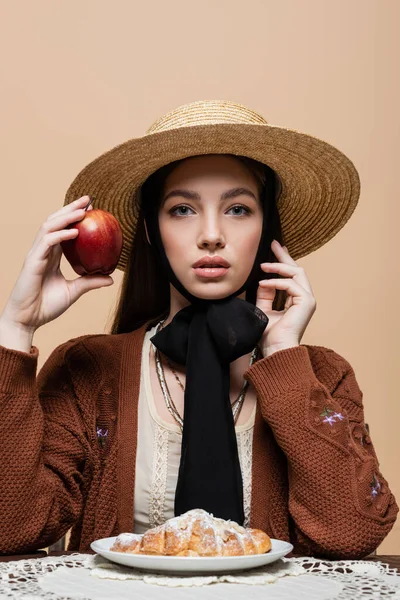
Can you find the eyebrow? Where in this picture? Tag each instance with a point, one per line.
(190, 195)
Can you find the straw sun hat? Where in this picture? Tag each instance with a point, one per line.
(320, 186)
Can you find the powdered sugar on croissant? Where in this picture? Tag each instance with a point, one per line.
(195, 533)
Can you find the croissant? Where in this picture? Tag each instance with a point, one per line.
(195, 533)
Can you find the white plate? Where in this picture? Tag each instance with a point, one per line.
(192, 564)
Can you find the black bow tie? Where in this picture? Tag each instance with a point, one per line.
(206, 337)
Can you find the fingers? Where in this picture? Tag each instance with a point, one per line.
(293, 288)
(81, 202)
(51, 239)
(75, 210)
(86, 283)
(61, 219)
(281, 253)
(289, 271)
(266, 295)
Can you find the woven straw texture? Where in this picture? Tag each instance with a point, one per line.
(320, 185)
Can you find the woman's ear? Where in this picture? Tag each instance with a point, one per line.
(147, 234)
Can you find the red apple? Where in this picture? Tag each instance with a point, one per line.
(97, 247)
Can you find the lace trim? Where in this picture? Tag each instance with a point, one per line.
(159, 477)
(245, 448)
(160, 473)
(49, 578)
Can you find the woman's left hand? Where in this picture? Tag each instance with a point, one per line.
(285, 327)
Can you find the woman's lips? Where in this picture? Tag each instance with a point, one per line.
(210, 271)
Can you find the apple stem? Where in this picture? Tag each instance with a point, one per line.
(91, 200)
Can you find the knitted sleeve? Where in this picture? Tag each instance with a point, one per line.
(44, 453)
(339, 502)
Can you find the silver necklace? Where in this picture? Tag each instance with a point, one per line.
(236, 405)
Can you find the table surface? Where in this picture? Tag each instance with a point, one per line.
(393, 560)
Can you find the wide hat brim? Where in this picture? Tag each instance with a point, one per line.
(320, 185)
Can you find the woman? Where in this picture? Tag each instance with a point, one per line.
(203, 395)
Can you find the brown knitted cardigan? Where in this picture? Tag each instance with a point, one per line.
(69, 434)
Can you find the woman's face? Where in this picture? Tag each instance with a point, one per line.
(210, 207)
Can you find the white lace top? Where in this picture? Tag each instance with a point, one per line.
(158, 456)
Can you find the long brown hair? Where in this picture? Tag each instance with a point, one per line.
(145, 291)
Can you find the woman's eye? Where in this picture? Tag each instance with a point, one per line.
(173, 210)
(185, 209)
(240, 207)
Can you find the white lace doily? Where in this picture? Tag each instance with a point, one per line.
(88, 577)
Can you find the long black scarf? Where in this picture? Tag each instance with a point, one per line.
(206, 337)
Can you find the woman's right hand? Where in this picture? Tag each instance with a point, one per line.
(41, 293)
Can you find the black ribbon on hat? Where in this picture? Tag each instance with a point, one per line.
(206, 337)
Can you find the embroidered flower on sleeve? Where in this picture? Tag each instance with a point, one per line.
(338, 416)
(101, 435)
(329, 417)
(331, 420)
(375, 487)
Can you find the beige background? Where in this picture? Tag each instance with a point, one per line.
(80, 77)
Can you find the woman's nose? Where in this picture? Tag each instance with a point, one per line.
(211, 233)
